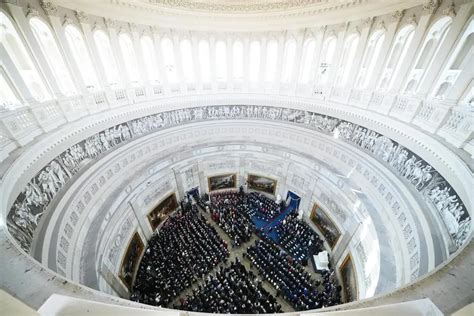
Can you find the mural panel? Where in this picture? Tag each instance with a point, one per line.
(29, 206)
(220, 182)
(324, 223)
(131, 260)
(260, 183)
(349, 280)
(162, 211)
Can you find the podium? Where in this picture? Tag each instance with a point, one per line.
(321, 261)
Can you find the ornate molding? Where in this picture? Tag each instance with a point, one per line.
(397, 15)
(433, 188)
(449, 10)
(67, 20)
(82, 17)
(431, 6)
(31, 12)
(49, 7)
(111, 24)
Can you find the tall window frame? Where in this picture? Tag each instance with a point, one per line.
(50, 49)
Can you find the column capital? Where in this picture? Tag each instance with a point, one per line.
(397, 15)
(82, 17)
(49, 7)
(110, 24)
(449, 10)
(31, 12)
(431, 6)
(412, 20)
(367, 22)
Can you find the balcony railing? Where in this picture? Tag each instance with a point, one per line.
(454, 123)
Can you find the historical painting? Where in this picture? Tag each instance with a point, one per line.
(324, 223)
(131, 260)
(162, 211)
(259, 183)
(349, 279)
(220, 182)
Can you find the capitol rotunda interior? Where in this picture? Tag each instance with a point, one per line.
(193, 157)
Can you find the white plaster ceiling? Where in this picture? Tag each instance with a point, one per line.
(237, 15)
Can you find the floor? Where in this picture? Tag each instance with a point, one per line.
(237, 252)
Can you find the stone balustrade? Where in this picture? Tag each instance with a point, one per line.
(454, 123)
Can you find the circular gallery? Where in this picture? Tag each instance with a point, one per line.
(236, 157)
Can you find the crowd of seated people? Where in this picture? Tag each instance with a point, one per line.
(233, 290)
(228, 209)
(263, 207)
(289, 277)
(296, 237)
(185, 249)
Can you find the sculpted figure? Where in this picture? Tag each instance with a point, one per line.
(59, 172)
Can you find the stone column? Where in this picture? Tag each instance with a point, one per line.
(341, 32)
(117, 52)
(159, 61)
(16, 77)
(139, 55)
(69, 57)
(441, 57)
(360, 52)
(196, 63)
(212, 62)
(385, 49)
(93, 52)
(45, 71)
(412, 51)
(246, 44)
(179, 62)
(300, 39)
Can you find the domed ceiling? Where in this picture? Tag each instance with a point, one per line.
(237, 15)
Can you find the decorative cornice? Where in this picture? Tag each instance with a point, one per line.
(67, 20)
(31, 12)
(49, 7)
(431, 6)
(449, 10)
(109, 23)
(368, 21)
(412, 20)
(397, 15)
(82, 17)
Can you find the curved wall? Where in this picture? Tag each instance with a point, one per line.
(288, 135)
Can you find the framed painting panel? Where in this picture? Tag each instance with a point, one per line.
(221, 182)
(162, 211)
(131, 260)
(349, 279)
(325, 225)
(260, 183)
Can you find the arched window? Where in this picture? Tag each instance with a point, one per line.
(102, 41)
(221, 61)
(327, 59)
(238, 60)
(429, 49)
(255, 52)
(288, 61)
(130, 58)
(272, 59)
(307, 61)
(370, 58)
(461, 58)
(8, 98)
(187, 60)
(81, 57)
(169, 62)
(51, 52)
(347, 60)
(204, 60)
(12, 43)
(149, 59)
(397, 56)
